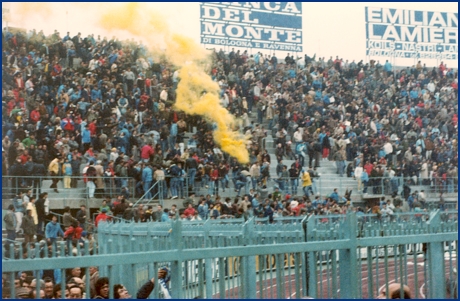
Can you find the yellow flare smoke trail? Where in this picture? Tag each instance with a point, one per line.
(190, 99)
(189, 56)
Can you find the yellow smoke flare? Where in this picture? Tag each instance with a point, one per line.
(192, 100)
(189, 56)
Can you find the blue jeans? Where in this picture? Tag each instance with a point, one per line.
(192, 174)
(250, 103)
(315, 189)
(254, 182)
(174, 186)
(248, 184)
(172, 141)
(282, 185)
(294, 185)
(394, 184)
(146, 186)
(212, 187)
(340, 167)
(450, 185)
(180, 187)
(234, 177)
(124, 183)
(238, 186)
(260, 116)
(11, 234)
(365, 186)
(306, 189)
(224, 182)
(164, 145)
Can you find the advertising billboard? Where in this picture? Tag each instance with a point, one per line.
(411, 33)
(263, 25)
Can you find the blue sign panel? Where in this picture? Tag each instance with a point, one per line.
(411, 33)
(264, 25)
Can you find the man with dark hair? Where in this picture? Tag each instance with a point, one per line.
(40, 206)
(52, 230)
(81, 216)
(57, 292)
(102, 288)
(49, 285)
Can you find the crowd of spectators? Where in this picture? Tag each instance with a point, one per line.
(49, 285)
(108, 104)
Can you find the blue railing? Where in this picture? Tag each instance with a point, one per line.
(318, 258)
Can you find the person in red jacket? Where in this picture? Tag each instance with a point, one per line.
(92, 128)
(368, 167)
(101, 217)
(35, 115)
(147, 151)
(190, 211)
(214, 182)
(73, 234)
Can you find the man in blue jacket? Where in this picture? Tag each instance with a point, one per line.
(52, 230)
(147, 178)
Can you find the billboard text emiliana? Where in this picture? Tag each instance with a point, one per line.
(264, 25)
(411, 33)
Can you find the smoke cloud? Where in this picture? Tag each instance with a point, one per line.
(141, 22)
(197, 93)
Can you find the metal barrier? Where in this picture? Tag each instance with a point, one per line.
(207, 259)
(11, 185)
(161, 190)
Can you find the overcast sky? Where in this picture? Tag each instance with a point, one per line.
(329, 29)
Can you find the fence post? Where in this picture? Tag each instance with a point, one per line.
(311, 280)
(435, 252)
(249, 264)
(348, 261)
(176, 266)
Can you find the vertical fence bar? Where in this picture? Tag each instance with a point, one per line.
(221, 277)
(370, 281)
(288, 268)
(437, 268)
(312, 275)
(261, 260)
(348, 260)
(176, 243)
(415, 274)
(12, 285)
(279, 277)
(334, 274)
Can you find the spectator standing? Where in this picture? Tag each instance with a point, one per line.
(82, 216)
(67, 172)
(54, 169)
(29, 227)
(52, 230)
(10, 224)
(19, 209)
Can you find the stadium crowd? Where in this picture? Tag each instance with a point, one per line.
(108, 104)
(113, 111)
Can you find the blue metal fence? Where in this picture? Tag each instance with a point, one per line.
(343, 256)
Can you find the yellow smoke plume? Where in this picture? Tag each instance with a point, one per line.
(197, 94)
(137, 19)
